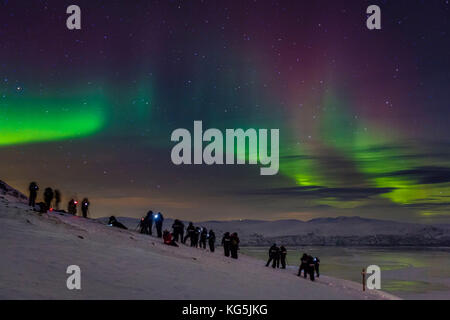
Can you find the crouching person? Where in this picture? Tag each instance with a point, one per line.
(114, 223)
(40, 207)
(168, 239)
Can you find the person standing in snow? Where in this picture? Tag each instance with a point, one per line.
(181, 231)
(190, 230)
(283, 254)
(203, 237)
(274, 256)
(85, 207)
(316, 261)
(33, 188)
(196, 236)
(178, 230)
(211, 240)
(226, 242)
(57, 199)
(146, 223)
(303, 265)
(159, 219)
(72, 207)
(310, 268)
(48, 197)
(234, 245)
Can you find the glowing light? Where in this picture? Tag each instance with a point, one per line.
(36, 119)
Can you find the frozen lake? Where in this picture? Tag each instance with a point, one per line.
(410, 273)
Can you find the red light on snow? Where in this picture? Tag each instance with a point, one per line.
(51, 209)
(76, 202)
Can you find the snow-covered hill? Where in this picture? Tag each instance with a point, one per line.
(36, 250)
(9, 191)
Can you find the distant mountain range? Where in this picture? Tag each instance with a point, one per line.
(340, 231)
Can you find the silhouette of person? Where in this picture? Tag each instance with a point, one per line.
(159, 219)
(190, 231)
(72, 207)
(33, 188)
(211, 240)
(226, 243)
(283, 254)
(203, 238)
(147, 223)
(114, 223)
(168, 239)
(310, 267)
(85, 207)
(196, 236)
(316, 261)
(57, 199)
(40, 207)
(303, 265)
(181, 231)
(48, 197)
(274, 256)
(178, 230)
(234, 245)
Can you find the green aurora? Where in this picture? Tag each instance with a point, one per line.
(31, 119)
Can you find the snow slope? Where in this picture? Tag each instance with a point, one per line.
(37, 248)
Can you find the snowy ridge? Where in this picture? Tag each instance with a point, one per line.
(37, 248)
(10, 192)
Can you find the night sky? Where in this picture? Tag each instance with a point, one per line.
(363, 115)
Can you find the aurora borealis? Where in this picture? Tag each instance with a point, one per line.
(37, 118)
(363, 115)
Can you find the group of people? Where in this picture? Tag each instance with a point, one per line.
(230, 243)
(54, 196)
(198, 236)
(308, 264)
(277, 255)
(146, 223)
